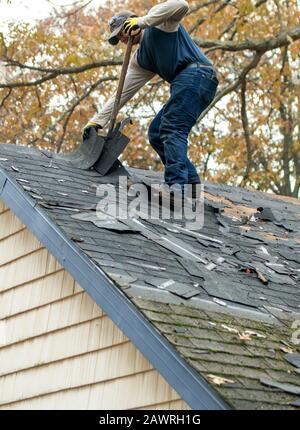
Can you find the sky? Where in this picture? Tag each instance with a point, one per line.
(30, 10)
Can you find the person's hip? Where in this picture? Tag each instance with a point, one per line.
(207, 71)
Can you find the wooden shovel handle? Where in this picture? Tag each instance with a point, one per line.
(121, 84)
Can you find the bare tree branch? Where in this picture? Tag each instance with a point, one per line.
(200, 21)
(53, 73)
(71, 109)
(5, 98)
(246, 129)
(74, 11)
(234, 85)
(282, 39)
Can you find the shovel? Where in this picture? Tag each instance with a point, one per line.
(102, 152)
(115, 142)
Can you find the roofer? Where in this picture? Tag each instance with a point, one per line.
(165, 49)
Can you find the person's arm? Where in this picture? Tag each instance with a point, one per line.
(171, 10)
(136, 78)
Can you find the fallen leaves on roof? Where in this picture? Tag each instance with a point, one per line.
(218, 380)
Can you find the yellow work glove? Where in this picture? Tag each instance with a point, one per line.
(87, 129)
(131, 24)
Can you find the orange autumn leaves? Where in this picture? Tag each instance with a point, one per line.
(51, 109)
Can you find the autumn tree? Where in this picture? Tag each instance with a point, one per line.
(56, 73)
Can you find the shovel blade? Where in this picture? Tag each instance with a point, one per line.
(111, 151)
(87, 154)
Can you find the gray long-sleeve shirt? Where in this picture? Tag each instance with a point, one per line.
(166, 17)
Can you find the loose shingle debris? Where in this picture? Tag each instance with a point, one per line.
(36, 197)
(210, 266)
(166, 241)
(252, 235)
(261, 277)
(209, 244)
(180, 330)
(265, 214)
(50, 165)
(286, 225)
(146, 266)
(290, 256)
(192, 267)
(250, 268)
(288, 388)
(179, 289)
(293, 358)
(15, 169)
(211, 324)
(264, 254)
(214, 206)
(230, 329)
(77, 239)
(24, 181)
(287, 349)
(109, 223)
(180, 229)
(61, 206)
(279, 268)
(254, 334)
(219, 302)
(122, 280)
(244, 335)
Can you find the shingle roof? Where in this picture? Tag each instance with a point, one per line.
(222, 300)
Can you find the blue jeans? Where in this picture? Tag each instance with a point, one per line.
(192, 91)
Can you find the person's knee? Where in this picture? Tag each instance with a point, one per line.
(171, 129)
(173, 136)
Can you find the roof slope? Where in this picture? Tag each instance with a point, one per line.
(212, 310)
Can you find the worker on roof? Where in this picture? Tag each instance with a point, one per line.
(165, 49)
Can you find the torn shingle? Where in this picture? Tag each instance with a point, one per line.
(278, 268)
(219, 302)
(22, 180)
(146, 266)
(286, 225)
(36, 197)
(293, 358)
(192, 267)
(288, 388)
(210, 266)
(265, 214)
(182, 290)
(253, 235)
